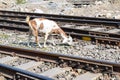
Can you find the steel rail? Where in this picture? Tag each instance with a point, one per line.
(73, 30)
(64, 19)
(15, 73)
(111, 38)
(67, 29)
(115, 41)
(76, 34)
(58, 16)
(71, 19)
(57, 57)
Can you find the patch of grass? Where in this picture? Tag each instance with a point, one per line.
(1, 42)
(44, 48)
(4, 36)
(20, 1)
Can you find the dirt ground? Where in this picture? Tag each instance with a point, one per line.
(100, 8)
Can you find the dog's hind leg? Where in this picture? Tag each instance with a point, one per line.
(29, 37)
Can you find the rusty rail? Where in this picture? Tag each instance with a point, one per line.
(60, 58)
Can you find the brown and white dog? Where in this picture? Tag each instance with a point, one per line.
(47, 27)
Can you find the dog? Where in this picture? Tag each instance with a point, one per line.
(47, 27)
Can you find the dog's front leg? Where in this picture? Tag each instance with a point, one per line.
(37, 41)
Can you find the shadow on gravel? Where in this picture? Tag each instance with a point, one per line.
(34, 44)
(31, 44)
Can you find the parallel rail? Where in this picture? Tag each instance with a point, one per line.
(16, 73)
(109, 38)
(65, 18)
(16, 14)
(112, 38)
(79, 62)
(63, 60)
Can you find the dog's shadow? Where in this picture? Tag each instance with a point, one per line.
(30, 44)
(34, 44)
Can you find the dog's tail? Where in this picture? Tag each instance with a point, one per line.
(27, 19)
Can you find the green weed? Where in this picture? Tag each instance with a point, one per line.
(20, 1)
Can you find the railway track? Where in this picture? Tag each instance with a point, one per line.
(22, 15)
(95, 57)
(47, 66)
(99, 30)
